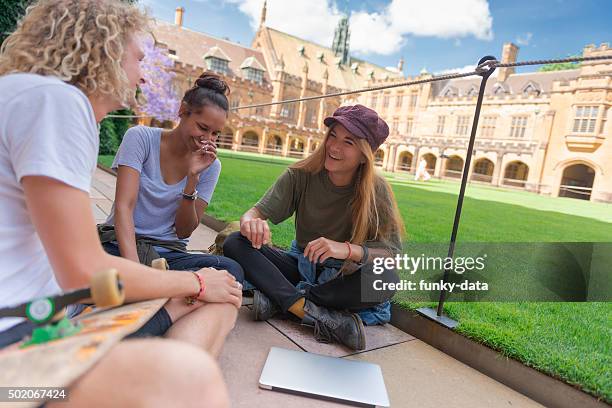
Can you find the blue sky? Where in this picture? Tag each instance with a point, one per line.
(436, 34)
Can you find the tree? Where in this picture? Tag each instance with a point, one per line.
(108, 137)
(10, 12)
(122, 124)
(561, 65)
(161, 101)
(113, 129)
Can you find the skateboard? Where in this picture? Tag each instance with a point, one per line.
(60, 350)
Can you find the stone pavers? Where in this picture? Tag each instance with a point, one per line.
(376, 337)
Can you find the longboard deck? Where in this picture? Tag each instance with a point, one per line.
(60, 362)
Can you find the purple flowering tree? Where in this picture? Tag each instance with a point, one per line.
(161, 100)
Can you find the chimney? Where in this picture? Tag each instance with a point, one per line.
(178, 16)
(400, 64)
(262, 17)
(509, 54)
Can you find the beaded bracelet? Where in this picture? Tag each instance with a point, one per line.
(191, 300)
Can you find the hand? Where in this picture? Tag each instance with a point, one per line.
(322, 248)
(202, 158)
(257, 231)
(220, 287)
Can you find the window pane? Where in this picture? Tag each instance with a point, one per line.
(591, 125)
(413, 100)
(579, 111)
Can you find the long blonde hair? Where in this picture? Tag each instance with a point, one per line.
(81, 42)
(374, 209)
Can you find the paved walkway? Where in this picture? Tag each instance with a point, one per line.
(416, 374)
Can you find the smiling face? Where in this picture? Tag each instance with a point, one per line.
(202, 125)
(342, 154)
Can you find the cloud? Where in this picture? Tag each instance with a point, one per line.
(313, 20)
(525, 39)
(383, 32)
(442, 18)
(372, 33)
(467, 68)
(460, 70)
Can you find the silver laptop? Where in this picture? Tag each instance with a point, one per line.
(297, 372)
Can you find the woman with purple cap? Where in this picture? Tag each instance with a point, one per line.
(345, 216)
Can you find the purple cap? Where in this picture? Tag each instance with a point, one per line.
(361, 122)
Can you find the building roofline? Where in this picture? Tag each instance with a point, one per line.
(209, 35)
(328, 48)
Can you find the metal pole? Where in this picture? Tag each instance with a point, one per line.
(485, 72)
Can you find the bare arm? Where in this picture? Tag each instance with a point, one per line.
(254, 227)
(322, 248)
(189, 212)
(126, 195)
(64, 221)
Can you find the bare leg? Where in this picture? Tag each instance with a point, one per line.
(150, 373)
(206, 327)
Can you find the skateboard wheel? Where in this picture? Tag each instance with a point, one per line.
(40, 310)
(160, 263)
(105, 288)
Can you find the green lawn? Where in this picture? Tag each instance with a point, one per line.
(571, 341)
(106, 160)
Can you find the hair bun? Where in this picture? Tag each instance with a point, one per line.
(213, 82)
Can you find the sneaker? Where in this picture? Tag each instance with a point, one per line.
(334, 325)
(263, 307)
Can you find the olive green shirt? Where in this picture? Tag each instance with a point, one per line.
(321, 209)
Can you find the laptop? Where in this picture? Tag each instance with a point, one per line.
(296, 372)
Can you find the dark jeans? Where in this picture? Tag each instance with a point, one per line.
(180, 261)
(275, 273)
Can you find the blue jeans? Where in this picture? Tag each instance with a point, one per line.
(180, 261)
(286, 276)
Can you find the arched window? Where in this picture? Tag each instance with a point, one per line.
(454, 167)
(405, 161)
(379, 157)
(483, 170)
(250, 141)
(516, 174)
(577, 182)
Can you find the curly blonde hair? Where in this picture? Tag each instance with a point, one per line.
(81, 42)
